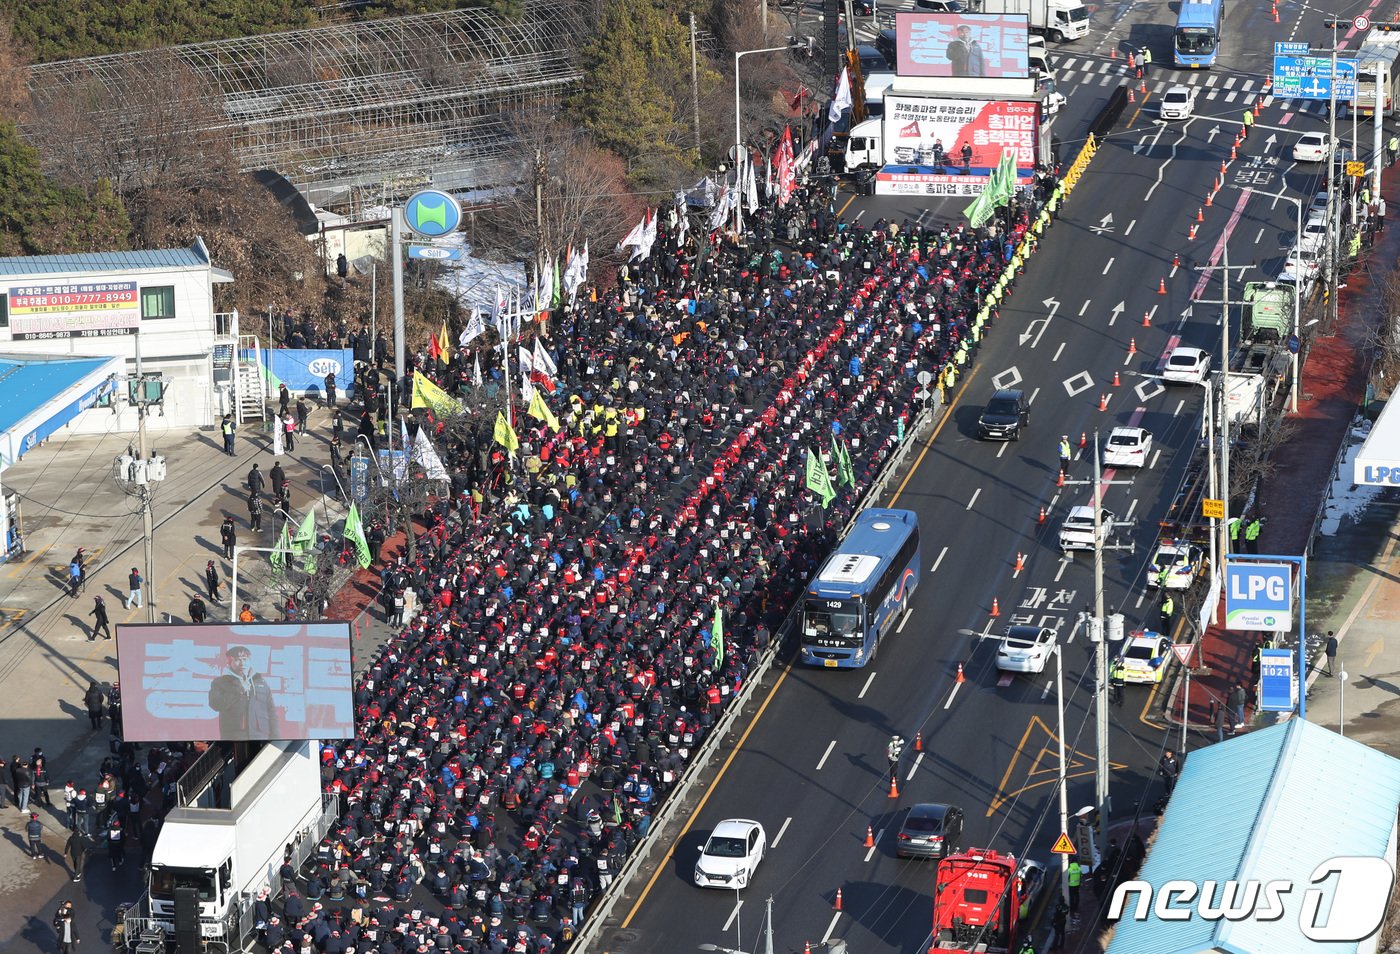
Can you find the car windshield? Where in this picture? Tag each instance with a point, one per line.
(718, 847)
(1175, 99)
(1141, 651)
(1003, 406)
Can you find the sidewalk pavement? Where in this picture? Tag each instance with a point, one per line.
(70, 500)
(1332, 387)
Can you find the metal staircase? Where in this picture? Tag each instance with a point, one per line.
(250, 399)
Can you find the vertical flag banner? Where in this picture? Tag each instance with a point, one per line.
(818, 479)
(717, 637)
(505, 434)
(355, 533)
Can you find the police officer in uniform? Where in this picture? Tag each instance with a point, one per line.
(893, 751)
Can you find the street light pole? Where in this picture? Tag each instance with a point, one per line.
(1101, 797)
(1064, 782)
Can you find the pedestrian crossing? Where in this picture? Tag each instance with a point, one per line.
(1217, 87)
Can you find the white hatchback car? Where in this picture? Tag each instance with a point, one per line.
(1187, 366)
(1025, 649)
(731, 854)
(1127, 447)
(1177, 103)
(1313, 147)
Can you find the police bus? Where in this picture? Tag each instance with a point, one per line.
(1196, 41)
(861, 590)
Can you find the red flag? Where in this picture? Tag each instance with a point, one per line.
(787, 171)
(434, 349)
(795, 100)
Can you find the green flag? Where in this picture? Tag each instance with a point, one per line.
(284, 546)
(845, 473)
(355, 533)
(818, 480)
(554, 297)
(305, 537)
(717, 637)
(981, 208)
(1005, 178)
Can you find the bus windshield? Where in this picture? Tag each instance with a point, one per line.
(832, 623)
(1194, 40)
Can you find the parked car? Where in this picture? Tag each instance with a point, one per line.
(1144, 657)
(1313, 147)
(731, 854)
(1006, 413)
(1077, 532)
(1187, 365)
(1025, 649)
(1182, 561)
(929, 831)
(1127, 447)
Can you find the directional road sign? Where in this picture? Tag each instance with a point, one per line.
(1278, 689)
(434, 253)
(1310, 77)
(1259, 596)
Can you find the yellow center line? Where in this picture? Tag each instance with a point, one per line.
(670, 852)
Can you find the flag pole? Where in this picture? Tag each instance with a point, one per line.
(505, 357)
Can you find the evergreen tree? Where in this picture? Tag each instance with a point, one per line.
(40, 217)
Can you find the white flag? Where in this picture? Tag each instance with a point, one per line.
(720, 210)
(544, 364)
(476, 371)
(476, 327)
(635, 239)
(682, 219)
(576, 272)
(842, 100)
(426, 457)
(527, 363)
(649, 235)
(751, 184)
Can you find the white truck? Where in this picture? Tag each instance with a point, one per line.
(1059, 20)
(241, 809)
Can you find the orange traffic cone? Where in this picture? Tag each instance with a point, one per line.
(918, 741)
(1161, 286)
(1234, 151)
(1083, 439)
(1200, 214)
(1147, 315)
(1132, 347)
(961, 677)
(836, 905)
(1191, 236)
(1113, 53)
(1132, 63)
(1256, 107)
(1116, 383)
(894, 793)
(1061, 481)
(1041, 519)
(1275, 13)
(869, 837)
(807, 948)
(1210, 198)
(996, 608)
(1143, 88)
(1131, 99)
(1222, 167)
(1103, 402)
(1176, 260)
(1020, 564)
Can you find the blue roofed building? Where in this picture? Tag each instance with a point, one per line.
(100, 305)
(1276, 805)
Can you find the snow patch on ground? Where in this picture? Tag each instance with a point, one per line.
(473, 281)
(1345, 499)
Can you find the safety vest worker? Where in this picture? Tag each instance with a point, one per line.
(1076, 873)
(1234, 526)
(1251, 532)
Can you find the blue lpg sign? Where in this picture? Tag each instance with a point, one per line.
(432, 213)
(1259, 596)
(1278, 687)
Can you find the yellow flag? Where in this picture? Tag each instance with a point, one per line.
(444, 344)
(427, 394)
(505, 434)
(540, 411)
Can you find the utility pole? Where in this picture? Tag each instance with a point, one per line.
(1225, 268)
(695, 87)
(541, 173)
(138, 472)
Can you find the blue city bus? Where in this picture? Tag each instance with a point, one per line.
(861, 590)
(1196, 41)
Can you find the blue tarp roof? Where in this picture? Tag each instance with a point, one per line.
(40, 394)
(1271, 805)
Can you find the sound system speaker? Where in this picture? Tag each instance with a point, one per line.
(186, 921)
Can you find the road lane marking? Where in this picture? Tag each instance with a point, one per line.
(732, 915)
(941, 554)
(907, 613)
(870, 853)
(831, 927)
(1107, 267)
(1129, 230)
(1179, 405)
(1131, 507)
(1046, 691)
(1061, 571)
(827, 754)
(786, 822)
(975, 494)
(869, 679)
(918, 760)
(952, 695)
(1156, 456)
(1002, 449)
(1037, 390)
(931, 438)
(1059, 351)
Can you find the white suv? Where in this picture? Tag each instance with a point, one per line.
(1077, 533)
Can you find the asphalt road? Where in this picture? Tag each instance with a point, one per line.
(812, 768)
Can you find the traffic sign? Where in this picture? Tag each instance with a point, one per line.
(1063, 846)
(1183, 652)
(1291, 49)
(434, 253)
(1259, 596)
(432, 213)
(1294, 344)
(1362, 22)
(1213, 509)
(1311, 77)
(1278, 690)
(1355, 168)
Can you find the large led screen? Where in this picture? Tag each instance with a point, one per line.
(969, 45)
(235, 681)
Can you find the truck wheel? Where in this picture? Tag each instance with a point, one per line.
(1057, 36)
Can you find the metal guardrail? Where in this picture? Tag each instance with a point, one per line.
(596, 923)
